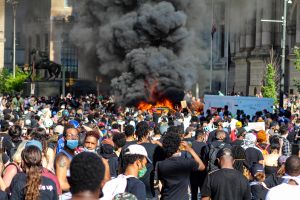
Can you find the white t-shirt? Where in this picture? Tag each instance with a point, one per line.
(284, 191)
(187, 121)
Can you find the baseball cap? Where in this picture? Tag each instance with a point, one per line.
(125, 195)
(282, 160)
(59, 129)
(36, 143)
(74, 123)
(238, 124)
(101, 124)
(256, 168)
(48, 123)
(27, 122)
(136, 149)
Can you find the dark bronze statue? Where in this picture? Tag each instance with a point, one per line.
(40, 60)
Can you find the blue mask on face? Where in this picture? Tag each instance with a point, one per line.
(72, 144)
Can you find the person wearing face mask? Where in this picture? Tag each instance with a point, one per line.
(65, 156)
(135, 160)
(154, 152)
(91, 141)
(189, 134)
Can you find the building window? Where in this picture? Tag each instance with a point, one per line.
(18, 39)
(69, 58)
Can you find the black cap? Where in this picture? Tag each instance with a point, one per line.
(256, 168)
(224, 152)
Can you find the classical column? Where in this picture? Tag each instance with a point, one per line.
(2, 31)
(258, 24)
(298, 25)
(278, 26)
(243, 35)
(266, 28)
(250, 32)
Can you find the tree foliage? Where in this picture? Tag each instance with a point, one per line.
(269, 88)
(271, 78)
(297, 66)
(9, 84)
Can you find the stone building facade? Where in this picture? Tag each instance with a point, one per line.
(250, 43)
(41, 25)
(2, 29)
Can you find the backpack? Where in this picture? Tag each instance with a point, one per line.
(212, 156)
(115, 186)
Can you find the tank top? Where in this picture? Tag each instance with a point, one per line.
(70, 158)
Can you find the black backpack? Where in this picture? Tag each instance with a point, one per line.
(212, 156)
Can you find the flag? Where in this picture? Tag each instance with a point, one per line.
(213, 30)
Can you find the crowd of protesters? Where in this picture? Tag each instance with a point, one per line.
(85, 148)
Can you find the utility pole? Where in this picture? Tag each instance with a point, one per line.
(283, 41)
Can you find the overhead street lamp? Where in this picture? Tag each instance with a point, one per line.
(14, 4)
(283, 41)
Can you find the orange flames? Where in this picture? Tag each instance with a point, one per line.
(165, 103)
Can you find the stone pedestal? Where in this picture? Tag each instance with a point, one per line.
(43, 88)
(257, 71)
(241, 71)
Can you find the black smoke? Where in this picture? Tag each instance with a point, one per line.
(149, 49)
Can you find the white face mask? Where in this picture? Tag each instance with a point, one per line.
(151, 133)
(88, 150)
(193, 133)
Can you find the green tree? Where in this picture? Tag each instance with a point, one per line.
(269, 88)
(9, 84)
(297, 66)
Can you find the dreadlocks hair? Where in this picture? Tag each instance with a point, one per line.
(239, 156)
(171, 143)
(32, 159)
(87, 172)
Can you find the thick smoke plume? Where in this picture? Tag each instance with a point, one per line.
(149, 49)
